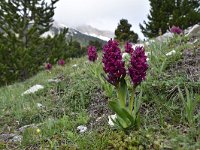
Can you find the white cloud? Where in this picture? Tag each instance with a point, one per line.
(102, 14)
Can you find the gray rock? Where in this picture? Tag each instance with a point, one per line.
(33, 89)
(17, 138)
(6, 137)
(82, 128)
(22, 129)
(193, 31)
(165, 36)
(54, 80)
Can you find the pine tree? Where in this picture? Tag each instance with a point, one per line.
(123, 32)
(26, 19)
(22, 22)
(158, 18)
(165, 13)
(186, 13)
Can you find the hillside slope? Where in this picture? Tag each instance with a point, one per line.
(76, 95)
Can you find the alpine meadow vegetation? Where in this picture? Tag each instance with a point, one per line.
(59, 94)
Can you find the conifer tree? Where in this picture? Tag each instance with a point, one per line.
(166, 13)
(123, 32)
(22, 22)
(25, 19)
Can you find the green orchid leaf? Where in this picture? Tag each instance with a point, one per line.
(122, 92)
(124, 118)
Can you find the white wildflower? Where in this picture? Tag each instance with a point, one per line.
(39, 105)
(171, 52)
(74, 66)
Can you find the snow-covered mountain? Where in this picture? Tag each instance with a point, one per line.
(101, 34)
(80, 36)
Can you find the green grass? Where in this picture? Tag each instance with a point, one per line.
(164, 124)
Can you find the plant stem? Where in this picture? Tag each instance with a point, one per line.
(131, 102)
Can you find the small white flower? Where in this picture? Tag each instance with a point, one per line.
(125, 55)
(39, 105)
(147, 53)
(74, 66)
(110, 118)
(171, 52)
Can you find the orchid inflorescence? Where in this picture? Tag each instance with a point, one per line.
(48, 66)
(113, 63)
(92, 53)
(176, 30)
(61, 62)
(114, 66)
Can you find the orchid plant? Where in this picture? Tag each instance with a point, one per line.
(92, 57)
(126, 107)
(92, 53)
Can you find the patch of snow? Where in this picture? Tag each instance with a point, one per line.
(171, 52)
(98, 36)
(63, 25)
(110, 118)
(46, 34)
(82, 128)
(33, 89)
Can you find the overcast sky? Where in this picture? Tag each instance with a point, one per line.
(102, 14)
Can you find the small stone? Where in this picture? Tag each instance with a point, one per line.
(6, 137)
(110, 118)
(33, 89)
(82, 128)
(22, 129)
(54, 80)
(17, 138)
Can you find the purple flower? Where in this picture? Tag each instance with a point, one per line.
(92, 53)
(138, 66)
(176, 30)
(48, 66)
(128, 48)
(61, 62)
(113, 63)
